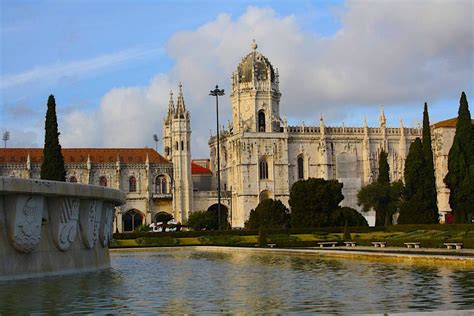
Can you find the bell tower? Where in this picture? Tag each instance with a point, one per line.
(255, 95)
(177, 145)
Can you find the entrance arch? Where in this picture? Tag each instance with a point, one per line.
(131, 220)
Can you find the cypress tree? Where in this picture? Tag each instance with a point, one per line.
(460, 176)
(414, 174)
(430, 211)
(384, 169)
(53, 161)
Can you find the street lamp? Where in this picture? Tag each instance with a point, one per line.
(218, 92)
(155, 138)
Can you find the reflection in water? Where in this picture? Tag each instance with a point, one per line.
(187, 281)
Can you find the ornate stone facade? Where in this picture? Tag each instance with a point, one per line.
(261, 156)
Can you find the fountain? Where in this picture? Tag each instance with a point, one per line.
(50, 228)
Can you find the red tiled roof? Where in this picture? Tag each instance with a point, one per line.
(97, 155)
(197, 169)
(448, 123)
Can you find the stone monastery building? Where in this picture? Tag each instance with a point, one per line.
(261, 157)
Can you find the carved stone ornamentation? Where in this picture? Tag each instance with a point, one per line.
(24, 214)
(90, 222)
(64, 215)
(106, 229)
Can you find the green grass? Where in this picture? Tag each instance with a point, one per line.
(429, 238)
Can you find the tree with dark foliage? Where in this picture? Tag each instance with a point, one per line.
(53, 160)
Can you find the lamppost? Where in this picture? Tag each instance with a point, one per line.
(218, 92)
(155, 138)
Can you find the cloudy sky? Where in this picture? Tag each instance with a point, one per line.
(111, 64)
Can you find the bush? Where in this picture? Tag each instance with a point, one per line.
(270, 214)
(200, 220)
(157, 241)
(339, 216)
(220, 240)
(143, 229)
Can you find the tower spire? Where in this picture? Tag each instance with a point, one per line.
(180, 107)
(171, 109)
(383, 120)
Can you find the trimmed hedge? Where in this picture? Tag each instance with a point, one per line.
(246, 232)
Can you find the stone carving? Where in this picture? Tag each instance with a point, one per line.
(64, 215)
(90, 222)
(24, 214)
(106, 230)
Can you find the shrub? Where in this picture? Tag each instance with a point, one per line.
(269, 213)
(157, 241)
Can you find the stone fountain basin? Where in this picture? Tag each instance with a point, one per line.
(51, 228)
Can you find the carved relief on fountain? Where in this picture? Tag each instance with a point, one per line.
(90, 221)
(106, 229)
(24, 214)
(64, 215)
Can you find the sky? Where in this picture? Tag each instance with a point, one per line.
(111, 64)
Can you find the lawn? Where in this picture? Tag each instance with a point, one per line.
(428, 238)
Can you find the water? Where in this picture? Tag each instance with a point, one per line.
(190, 281)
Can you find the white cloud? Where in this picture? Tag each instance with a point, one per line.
(74, 68)
(385, 52)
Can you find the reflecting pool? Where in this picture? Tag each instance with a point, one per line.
(187, 281)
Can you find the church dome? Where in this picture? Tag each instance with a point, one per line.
(257, 62)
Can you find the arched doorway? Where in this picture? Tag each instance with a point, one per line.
(131, 220)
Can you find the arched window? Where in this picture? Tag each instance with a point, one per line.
(300, 168)
(182, 145)
(132, 184)
(161, 184)
(261, 121)
(72, 179)
(132, 220)
(167, 150)
(263, 166)
(103, 181)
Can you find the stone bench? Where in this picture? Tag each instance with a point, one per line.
(350, 243)
(412, 244)
(271, 245)
(451, 245)
(327, 243)
(380, 244)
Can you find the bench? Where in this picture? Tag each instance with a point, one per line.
(350, 243)
(450, 245)
(412, 244)
(327, 243)
(268, 245)
(380, 244)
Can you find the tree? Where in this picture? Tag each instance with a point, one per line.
(312, 201)
(270, 214)
(164, 218)
(430, 213)
(346, 216)
(417, 207)
(53, 161)
(460, 176)
(384, 168)
(200, 220)
(262, 237)
(382, 196)
(214, 219)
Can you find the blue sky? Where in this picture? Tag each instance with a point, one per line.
(110, 64)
